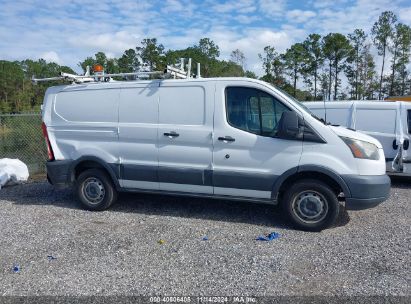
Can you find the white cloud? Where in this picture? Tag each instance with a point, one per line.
(245, 19)
(405, 15)
(109, 42)
(51, 56)
(344, 19)
(173, 6)
(328, 3)
(178, 6)
(241, 6)
(300, 16)
(272, 8)
(251, 42)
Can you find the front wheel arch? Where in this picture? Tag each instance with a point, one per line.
(322, 174)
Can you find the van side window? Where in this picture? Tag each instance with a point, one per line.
(182, 105)
(409, 121)
(253, 110)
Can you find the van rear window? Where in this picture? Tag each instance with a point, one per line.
(409, 121)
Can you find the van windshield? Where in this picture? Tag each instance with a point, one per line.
(299, 104)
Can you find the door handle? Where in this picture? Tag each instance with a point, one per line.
(394, 144)
(171, 134)
(406, 144)
(226, 138)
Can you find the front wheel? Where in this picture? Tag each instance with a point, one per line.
(95, 190)
(311, 205)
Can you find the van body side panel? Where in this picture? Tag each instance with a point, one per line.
(185, 136)
(84, 122)
(329, 155)
(138, 126)
(250, 165)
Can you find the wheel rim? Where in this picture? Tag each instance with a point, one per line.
(310, 206)
(93, 190)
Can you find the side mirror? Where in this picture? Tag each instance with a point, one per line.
(288, 126)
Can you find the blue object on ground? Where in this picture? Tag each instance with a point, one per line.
(205, 238)
(269, 237)
(50, 258)
(16, 268)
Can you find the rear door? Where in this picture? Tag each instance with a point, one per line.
(406, 116)
(381, 123)
(185, 136)
(248, 158)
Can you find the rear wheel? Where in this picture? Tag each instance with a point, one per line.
(311, 205)
(95, 190)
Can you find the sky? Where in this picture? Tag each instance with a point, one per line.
(67, 31)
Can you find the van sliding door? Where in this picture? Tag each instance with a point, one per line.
(185, 137)
(138, 119)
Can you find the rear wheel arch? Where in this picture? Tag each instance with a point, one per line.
(91, 162)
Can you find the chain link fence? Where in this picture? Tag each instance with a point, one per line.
(21, 137)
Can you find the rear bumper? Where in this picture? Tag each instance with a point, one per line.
(58, 173)
(367, 191)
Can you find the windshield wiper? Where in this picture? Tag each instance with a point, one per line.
(320, 119)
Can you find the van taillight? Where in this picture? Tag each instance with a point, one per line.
(46, 137)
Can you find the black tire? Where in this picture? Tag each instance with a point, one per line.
(310, 205)
(95, 190)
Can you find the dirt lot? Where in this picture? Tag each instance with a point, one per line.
(63, 250)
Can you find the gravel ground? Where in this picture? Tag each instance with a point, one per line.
(118, 252)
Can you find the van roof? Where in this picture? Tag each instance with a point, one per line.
(115, 84)
(349, 103)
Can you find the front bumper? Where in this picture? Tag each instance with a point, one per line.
(367, 191)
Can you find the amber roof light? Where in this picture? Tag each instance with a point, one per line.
(98, 68)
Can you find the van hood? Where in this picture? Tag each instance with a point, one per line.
(344, 132)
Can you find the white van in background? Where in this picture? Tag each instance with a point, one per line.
(227, 138)
(389, 122)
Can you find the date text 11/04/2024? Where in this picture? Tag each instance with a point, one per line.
(202, 299)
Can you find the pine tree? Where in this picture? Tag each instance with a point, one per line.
(294, 61)
(314, 59)
(382, 32)
(357, 39)
(336, 49)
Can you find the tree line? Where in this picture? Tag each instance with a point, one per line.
(316, 64)
(313, 69)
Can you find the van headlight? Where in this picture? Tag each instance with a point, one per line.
(362, 149)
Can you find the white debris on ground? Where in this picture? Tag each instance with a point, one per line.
(12, 171)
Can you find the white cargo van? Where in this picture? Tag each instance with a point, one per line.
(389, 122)
(226, 138)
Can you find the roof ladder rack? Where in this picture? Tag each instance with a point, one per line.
(100, 76)
(180, 73)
